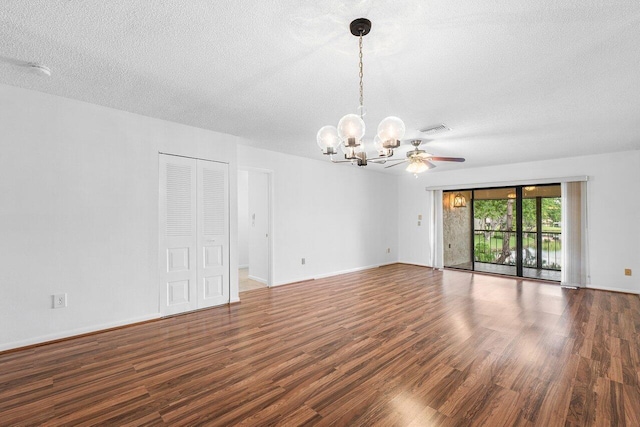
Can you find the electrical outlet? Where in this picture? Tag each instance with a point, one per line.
(304, 261)
(419, 223)
(388, 250)
(627, 272)
(59, 300)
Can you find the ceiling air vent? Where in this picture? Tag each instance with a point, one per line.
(431, 130)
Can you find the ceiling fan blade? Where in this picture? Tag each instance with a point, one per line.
(378, 160)
(447, 159)
(396, 160)
(429, 164)
(387, 167)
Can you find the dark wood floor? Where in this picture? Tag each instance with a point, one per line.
(399, 345)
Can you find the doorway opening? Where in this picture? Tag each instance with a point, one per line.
(254, 229)
(514, 231)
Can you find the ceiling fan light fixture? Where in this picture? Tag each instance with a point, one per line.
(417, 166)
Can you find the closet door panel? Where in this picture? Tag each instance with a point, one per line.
(178, 232)
(213, 234)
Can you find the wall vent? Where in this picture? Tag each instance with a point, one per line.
(431, 130)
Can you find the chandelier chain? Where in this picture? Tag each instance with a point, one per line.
(361, 73)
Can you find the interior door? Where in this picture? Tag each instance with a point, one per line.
(178, 224)
(212, 234)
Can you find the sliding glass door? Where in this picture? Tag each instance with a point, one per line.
(509, 230)
(542, 234)
(495, 232)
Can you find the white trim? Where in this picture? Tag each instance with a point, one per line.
(257, 279)
(243, 266)
(436, 243)
(191, 157)
(602, 288)
(334, 273)
(75, 332)
(538, 181)
(236, 299)
(351, 270)
(416, 264)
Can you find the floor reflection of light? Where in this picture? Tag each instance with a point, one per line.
(411, 410)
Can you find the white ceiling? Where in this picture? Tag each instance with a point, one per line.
(516, 80)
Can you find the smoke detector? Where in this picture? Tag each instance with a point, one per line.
(39, 69)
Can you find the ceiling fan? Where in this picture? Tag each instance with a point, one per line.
(420, 160)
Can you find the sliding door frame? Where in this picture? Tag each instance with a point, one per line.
(519, 232)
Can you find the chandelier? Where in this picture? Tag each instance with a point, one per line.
(351, 128)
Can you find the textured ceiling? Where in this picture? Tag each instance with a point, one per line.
(516, 80)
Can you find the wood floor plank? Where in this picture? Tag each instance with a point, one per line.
(398, 345)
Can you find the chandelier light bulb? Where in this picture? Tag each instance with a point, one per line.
(328, 139)
(351, 129)
(391, 130)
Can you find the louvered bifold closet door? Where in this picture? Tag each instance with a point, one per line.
(213, 233)
(178, 234)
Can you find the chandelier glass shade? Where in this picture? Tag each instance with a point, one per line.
(351, 128)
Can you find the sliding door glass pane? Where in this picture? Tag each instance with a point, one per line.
(495, 230)
(541, 235)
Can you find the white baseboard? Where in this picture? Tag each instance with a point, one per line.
(258, 279)
(74, 332)
(350, 270)
(234, 299)
(419, 264)
(331, 274)
(243, 266)
(603, 288)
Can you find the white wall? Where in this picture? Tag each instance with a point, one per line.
(613, 209)
(258, 226)
(243, 218)
(337, 216)
(79, 213)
